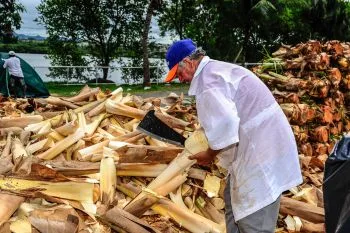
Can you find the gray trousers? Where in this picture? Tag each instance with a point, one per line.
(262, 221)
(16, 82)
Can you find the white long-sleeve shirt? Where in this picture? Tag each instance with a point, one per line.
(240, 115)
(14, 66)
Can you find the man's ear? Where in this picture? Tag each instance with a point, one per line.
(186, 59)
(189, 62)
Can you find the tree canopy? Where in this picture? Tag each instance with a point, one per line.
(10, 15)
(230, 30)
(246, 29)
(105, 26)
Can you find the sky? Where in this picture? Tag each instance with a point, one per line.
(31, 28)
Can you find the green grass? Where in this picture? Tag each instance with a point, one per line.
(60, 89)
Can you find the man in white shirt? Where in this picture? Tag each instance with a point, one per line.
(16, 75)
(246, 130)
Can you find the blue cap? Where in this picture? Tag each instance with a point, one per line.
(176, 52)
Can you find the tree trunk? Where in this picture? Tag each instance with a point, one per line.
(105, 73)
(106, 61)
(146, 26)
(245, 42)
(247, 6)
(105, 70)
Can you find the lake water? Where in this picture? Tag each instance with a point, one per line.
(41, 65)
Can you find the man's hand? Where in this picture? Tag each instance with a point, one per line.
(205, 157)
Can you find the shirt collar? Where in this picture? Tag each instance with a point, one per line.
(201, 65)
(205, 60)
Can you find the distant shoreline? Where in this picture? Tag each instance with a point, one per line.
(26, 46)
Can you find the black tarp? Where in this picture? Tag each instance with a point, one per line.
(336, 188)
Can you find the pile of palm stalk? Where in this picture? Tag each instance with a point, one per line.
(79, 164)
(311, 82)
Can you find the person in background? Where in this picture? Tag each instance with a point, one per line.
(16, 74)
(248, 132)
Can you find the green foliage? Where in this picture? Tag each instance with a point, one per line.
(229, 30)
(174, 15)
(225, 27)
(298, 21)
(39, 47)
(330, 19)
(135, 59)
(10, 19)
(287, 24)
(220, 27)
(206, 22)
(104, 26)
(135, 75)
(65, 53)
